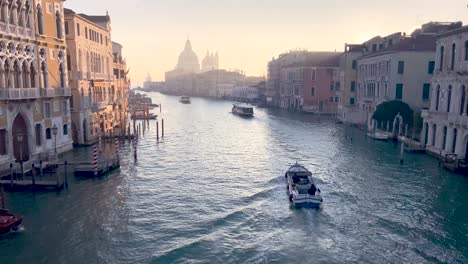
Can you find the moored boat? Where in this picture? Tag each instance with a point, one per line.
(185, 99)
(9, 222)
(378, 136)
(242, 110)
(301, 188)
(143, 115)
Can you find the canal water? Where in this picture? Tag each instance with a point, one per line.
(213, 191)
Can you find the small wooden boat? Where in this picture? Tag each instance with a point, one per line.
(185, 99)
(9, 222)
(143, 115)
(243, 110)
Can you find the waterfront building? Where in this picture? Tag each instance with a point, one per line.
(394, 67)
(34, 93)
(347, 106)
(274, 74)
(150, 86)
(445, 122)
(91, 75)
(311, 85)
(120, 91)
(210, 62)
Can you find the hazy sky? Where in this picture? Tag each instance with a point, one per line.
(248, 33)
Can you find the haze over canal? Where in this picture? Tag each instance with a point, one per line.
(213, 191)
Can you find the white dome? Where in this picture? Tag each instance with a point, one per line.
(188, 60)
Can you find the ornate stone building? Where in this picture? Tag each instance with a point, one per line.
(445, 129)
(34, 93)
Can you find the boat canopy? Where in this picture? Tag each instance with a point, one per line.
(298, 169)
(245, 106)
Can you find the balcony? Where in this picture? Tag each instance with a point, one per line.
(458, 119)
(55, 92)
(426, 114)
(99, 106)
(19, 93)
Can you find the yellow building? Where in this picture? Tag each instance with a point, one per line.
(95, 94)
(122, 86)
(34, 94)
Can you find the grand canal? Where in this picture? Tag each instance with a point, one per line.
(213, 191)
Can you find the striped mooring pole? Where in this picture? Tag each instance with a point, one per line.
(117, 148)
(135, 139)
(95, 160)
(100, 141)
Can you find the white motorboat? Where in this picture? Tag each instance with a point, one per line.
(185, 99)
(242, 110)
(378, 136)
(301, 188)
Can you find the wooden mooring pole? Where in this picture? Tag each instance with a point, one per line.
(2, 193)
(402, 149)
(66, 174)
(157, 131)
(135, 149)
(33, 175)
(11, 174)
(162, 127)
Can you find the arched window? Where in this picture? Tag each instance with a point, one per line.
(2, 12)
(462, 100)
(32, 76)
(466, 50)
(444, 142)
(441, 58)
(40, 20)
(8, 74)
(449, 98)
(45, 76)
(27, 17)
(11, 10)
(58, 24)
(62, 75)
(20, 13)
(434, 131)
(452, 61)
(437, 95)
(454, 142)
(17, 75)
(80, 62)
(25, 75)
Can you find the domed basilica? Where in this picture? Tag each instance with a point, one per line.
(188, 60)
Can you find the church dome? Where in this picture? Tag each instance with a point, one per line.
(188, 60)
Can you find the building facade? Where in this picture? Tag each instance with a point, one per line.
(120, 107)
(34, 94)
(273, 83)
(347, 108)
(210, 62)
(445, 129)
(311, 85)
(92, 78)
(400, 72)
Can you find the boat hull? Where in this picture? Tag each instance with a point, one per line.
(307, 203)
(9, 222)
(242, 114)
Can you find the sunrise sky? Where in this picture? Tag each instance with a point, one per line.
(248, 33)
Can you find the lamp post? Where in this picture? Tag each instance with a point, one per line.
(20, 141)
(54, 132)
